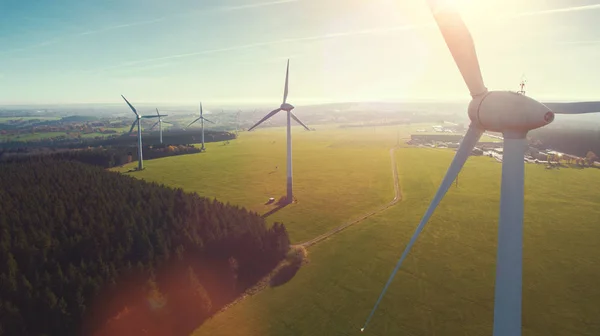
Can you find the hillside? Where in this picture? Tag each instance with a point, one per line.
(79, 246)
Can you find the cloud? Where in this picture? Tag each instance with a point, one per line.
(151, 21)
(270, 43)
(257, 5)
(558, 10)
(139, 23)
(591, 42)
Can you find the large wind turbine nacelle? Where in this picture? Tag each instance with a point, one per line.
(507, 111)
(286, 107)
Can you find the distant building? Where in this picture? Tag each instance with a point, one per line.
(424, 138)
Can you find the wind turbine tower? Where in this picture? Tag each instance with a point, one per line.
(290, 115)
(201, 118)
(139, 131)
(159, 123)
(513, 114)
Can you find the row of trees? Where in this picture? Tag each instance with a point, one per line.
(105, 157)
(80, 246)
(577, 142)
(172, 136)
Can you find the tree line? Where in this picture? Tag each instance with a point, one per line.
(106, 157)
(170, 137)
(571, 141)
(84, 251)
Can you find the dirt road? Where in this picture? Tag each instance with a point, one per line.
(397, 198)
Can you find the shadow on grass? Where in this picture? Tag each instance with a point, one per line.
(285, 274)
(133, 170)
(282, 203)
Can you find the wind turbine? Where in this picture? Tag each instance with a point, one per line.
(139, 131)
(288, 108)
(202, 119)
(514, 115)
(159, 123)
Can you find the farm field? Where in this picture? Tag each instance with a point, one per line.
(446, 284)
(339, 174)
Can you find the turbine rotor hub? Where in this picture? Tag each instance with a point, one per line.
(286, 107)
(507, 111)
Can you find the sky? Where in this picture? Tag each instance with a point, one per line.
(234, 51)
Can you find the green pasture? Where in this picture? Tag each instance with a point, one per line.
(446, 285)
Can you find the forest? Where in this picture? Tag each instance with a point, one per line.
(170, 137)
(106, 157)
(84, 251)
(567, 140)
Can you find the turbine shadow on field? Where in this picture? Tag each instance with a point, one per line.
(282, 203)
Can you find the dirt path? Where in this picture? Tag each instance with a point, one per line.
(397, 198)
(264, 282)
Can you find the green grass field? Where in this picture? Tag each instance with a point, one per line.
(446, 285)
(337, 177)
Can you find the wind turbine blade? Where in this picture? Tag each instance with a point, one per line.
(464, 150)
(298, 121)
(150, 116)
(272, 113)
(133, 125)
(207, 120)
(285, 90)
(131, 106)
(154, 125)
(200, 109)
(509, 259)
(193, 122)
(166, 122)
(574, 108)
(459, 41)
(158, 114)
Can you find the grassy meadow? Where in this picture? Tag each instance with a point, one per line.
(446, 285)
(339, 174)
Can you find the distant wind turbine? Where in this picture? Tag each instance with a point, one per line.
(202, 119)
(139, 131)
(159, 123)
(288, 108)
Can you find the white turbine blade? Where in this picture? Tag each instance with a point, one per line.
(207, 120)
(298, 121)
(509, 259)
(158, 114)
(574, 108)
(154, 125)
(133, 125)
(131, 106)
(459, 41)
(200, 109)
(272, 113)
(193, 122)
(166, 122)
(464, 150)
(150, 116)
(285, 90)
